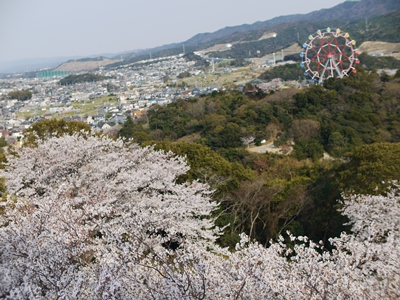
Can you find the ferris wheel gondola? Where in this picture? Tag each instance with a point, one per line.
(327, 54)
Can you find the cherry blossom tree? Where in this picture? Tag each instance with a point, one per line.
(80, 206)
(363, 265)
(89, 217)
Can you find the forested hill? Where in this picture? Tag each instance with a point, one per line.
(340, 115)
(352, 119)
(380, 28)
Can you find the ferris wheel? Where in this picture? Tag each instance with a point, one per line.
(327, 54)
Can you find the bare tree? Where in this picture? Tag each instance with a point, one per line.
(247, 140)
(272, 131)
(304, 129)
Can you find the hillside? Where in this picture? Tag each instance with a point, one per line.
(379, 28)
(354, 107)
(381, 48)
(345, 11)
(86, 64)
(245, 44)
(358, 112)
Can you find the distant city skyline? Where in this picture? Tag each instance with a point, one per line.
(59, 28)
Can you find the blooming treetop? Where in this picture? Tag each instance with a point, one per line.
(77, 200)
(89, 218)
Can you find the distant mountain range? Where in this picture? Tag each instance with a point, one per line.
(349, 10)
(373, 20)
(26, 65)
(303, 24)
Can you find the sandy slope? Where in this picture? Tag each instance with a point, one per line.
(79, 66)
(382, 48)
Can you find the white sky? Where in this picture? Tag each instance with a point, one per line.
(53, 28)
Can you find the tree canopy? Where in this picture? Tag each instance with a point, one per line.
(87, 77)
(20, 95)
(372, 169)
(285, 72)
(46, 129)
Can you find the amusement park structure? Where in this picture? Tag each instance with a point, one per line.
(327, 54)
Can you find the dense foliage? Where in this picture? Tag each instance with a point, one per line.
(86, 217)
(184, 74)
(382, 62)
(46, 129)
(87, 77)
(378, 28)
(207, 166)
(372, 168)
(285, 72)
(199, 61)
(335, 117)
(20, 95)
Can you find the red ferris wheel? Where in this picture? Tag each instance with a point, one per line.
(327, 54)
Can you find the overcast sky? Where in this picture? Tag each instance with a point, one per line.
(53, 28)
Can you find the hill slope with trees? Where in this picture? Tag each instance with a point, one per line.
(297, 191)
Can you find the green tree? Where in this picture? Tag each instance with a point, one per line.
(207, 165)
(308, 149)
(20, 95)
(133, 130)
(3, 142)
(87, 77)
(184, 74)
(371, 169)
(127, 129)
(285, 72)
(45, 129)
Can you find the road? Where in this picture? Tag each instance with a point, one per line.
(266, 148)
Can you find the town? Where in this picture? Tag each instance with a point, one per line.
(128, 90)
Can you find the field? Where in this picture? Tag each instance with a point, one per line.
(80, 66)
(239, 76)
(89, 107)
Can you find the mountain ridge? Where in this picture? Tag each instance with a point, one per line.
(348, 11)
